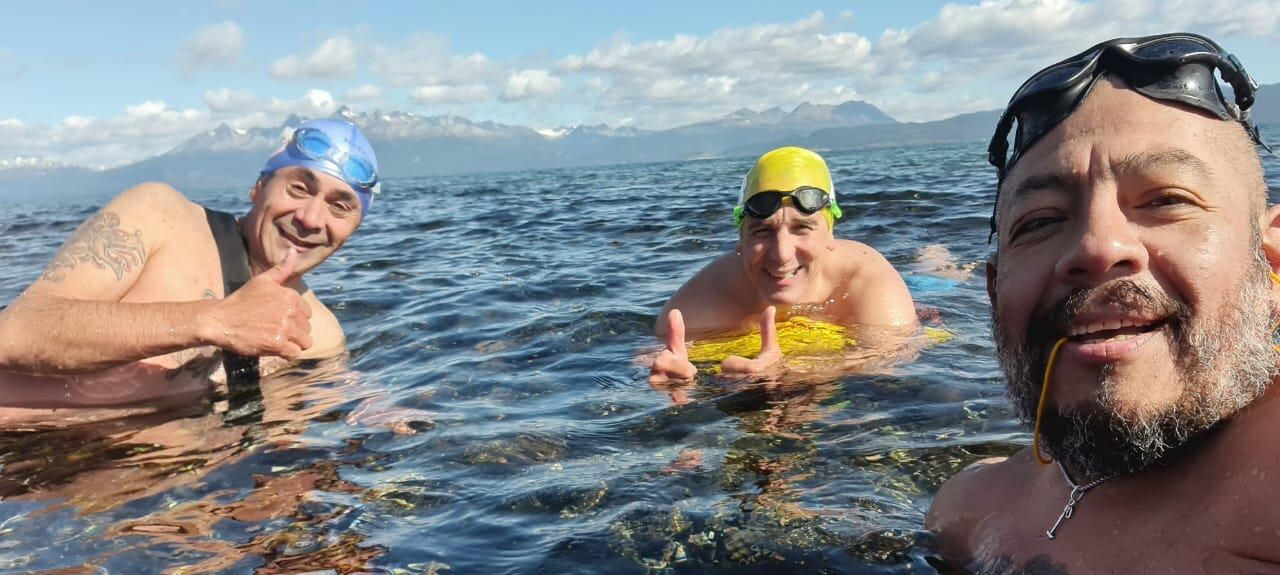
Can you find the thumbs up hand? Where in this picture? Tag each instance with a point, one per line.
(263, 317)
(673, 363)
(770, 356)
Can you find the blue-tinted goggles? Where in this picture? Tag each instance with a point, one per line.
(316, 145)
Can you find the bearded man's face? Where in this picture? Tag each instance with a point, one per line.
(1131, 231)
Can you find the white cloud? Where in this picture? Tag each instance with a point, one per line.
(152, 127)
(213, 46)
(363, 93)
(1028, 34)
(687, 78)
(799, 46)
(425, 60)
(443, 94)
(317, 103)
(530, 84)
(335, 57)
(1256, 18)
(141, 130)
(226, 101)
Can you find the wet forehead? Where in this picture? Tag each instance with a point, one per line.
(1117, 132)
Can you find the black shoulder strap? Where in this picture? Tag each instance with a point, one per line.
(242, 372)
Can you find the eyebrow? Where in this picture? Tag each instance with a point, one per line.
(1177, 158)
(1136, 163)
(314, 183)
(312, 180)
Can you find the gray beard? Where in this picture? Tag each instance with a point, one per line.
(1224, 366)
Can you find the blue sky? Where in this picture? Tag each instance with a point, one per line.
(101, 84)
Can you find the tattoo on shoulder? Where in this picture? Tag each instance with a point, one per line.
(100, 241)
(208, 294)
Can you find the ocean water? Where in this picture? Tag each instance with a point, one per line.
(492, 416)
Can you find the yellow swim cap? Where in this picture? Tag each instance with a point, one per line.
(785, 169)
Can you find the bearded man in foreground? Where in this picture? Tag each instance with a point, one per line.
(1133, 311)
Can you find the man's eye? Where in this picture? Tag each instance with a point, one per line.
(298, 190)
(1166, 200)
(1033, 225)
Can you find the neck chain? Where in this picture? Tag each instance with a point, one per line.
(1077, 493)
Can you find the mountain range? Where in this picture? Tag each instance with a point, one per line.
(413, 145)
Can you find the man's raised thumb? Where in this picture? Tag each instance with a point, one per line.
(768, 330)
(675, 333)
(282, 271)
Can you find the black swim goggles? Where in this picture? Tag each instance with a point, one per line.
(807, 199)
(1175, 67)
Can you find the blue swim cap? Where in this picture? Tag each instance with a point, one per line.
(335, 147)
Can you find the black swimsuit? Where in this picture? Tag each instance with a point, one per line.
(242, 372)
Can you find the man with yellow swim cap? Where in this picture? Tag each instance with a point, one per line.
(1133, 311)
(786, 255)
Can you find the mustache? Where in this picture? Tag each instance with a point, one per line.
(1051, 323)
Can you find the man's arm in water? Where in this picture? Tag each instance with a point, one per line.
(71, 320)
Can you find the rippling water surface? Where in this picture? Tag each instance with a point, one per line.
(493, 418)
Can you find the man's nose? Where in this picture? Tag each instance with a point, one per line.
(1107, 245)
(784, 248)
(311, 214)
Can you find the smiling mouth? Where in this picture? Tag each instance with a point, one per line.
(1113, 330)
(783, 275)
(301, 245)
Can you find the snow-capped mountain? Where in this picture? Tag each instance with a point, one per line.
(415, 145)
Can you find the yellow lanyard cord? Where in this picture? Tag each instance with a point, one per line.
(1044, 394)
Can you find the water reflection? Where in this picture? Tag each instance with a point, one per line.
(188, 468)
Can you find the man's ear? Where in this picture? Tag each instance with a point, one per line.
(991, 280)
(253, 192)
(1270, 227)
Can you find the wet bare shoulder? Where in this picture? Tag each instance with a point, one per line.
(966, 499)
(873, 291)
(107, 252)
(706, 300)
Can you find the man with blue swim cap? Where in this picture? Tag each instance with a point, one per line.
(154, 297)
(786, 256)
(334, 147)
(1134, 302)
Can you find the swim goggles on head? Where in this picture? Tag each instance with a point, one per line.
(316, 145)
(1177, 67)
(1174, 67)
(761, 205)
